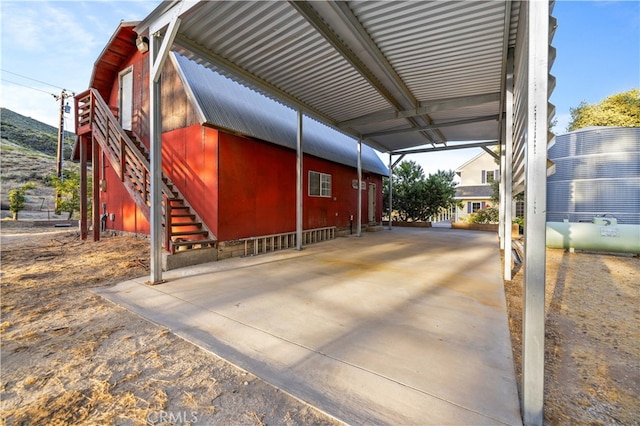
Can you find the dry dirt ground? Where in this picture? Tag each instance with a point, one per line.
(70, 357)
(592, 341)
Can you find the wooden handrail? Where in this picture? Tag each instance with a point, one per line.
(128, 161)
(122, 140)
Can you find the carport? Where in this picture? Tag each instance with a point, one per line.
(401, 328)
(403, 77)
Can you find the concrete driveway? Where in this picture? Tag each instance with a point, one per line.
(402, 327)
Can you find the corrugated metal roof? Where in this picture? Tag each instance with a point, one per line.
(342, 61)
(229, 105)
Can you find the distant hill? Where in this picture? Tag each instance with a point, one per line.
(28, 151)
(33, 134)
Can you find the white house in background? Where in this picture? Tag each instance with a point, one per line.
(474, 190)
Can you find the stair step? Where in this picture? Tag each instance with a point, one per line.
(196, 224)
(182, 233)
(190, 234)
(189, 215)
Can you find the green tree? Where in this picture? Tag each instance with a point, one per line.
(409, 190)
(622, 109)
(417, 197)
(68, 190)
(440, 193)
(17, 198)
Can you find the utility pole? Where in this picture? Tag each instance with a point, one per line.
(62, 97)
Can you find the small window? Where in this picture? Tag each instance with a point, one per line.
(319, 184)
(473, 207)
(489, 176)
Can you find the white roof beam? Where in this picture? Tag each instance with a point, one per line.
(386, 71)
(432, 126)
(424, 108)
(354, 28)
(448, 147)
(164, 14)
(212, 58)
(491, 153)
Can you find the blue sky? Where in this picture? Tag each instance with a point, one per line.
(57, 42)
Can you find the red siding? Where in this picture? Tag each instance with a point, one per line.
(128, 216)
(239, 187)
(190, 160)
(258, 191)
(140, 123)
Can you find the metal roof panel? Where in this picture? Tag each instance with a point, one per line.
(229, 105)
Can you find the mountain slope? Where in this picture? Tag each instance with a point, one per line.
(28, 154)
(30, 133)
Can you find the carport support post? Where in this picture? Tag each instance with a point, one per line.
(501, 221)
(390, 189)
(535, 213)
(508, 166)
(158, 56)
(359, 220)
(155, 156)
(299, 182)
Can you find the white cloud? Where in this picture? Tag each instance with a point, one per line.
(42, 27)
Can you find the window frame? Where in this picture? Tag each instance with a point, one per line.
(471, 206)
(320, 181)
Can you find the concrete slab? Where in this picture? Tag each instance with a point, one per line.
(407, 326)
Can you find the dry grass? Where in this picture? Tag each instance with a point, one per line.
(69, 357)
(592, 338)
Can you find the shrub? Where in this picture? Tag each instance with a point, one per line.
(486, 215)
(17, 198)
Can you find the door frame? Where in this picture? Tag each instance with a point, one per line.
(125, 99)
(372, 202)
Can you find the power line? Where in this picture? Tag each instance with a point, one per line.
(33, 79)
(28, 87)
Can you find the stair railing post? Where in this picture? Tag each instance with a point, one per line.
(167, 225)
(123, 159)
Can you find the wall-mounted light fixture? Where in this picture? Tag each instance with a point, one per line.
(142, 43)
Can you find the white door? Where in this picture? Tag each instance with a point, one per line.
(372, 202)
(126, 98)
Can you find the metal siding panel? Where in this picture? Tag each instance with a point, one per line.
(232, 106)
(425, 40)
(597, 173)
(264, 37)
(438, 49)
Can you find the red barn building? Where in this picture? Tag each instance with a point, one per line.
(228, 160)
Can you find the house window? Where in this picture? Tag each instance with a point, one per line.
(489, 176)
(519, 209)
(474, 206)
(319, 184)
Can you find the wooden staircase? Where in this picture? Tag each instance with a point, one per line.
(183, 228)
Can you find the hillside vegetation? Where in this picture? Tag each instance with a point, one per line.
(33, 134)
(28, 154)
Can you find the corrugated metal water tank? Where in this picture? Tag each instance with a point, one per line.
(597, 174)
